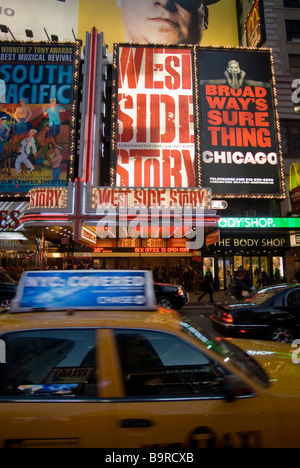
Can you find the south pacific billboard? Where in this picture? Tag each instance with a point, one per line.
(196, 116)
(38, 84)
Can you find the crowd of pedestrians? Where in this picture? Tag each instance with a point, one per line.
(188, 277)
(239, 284)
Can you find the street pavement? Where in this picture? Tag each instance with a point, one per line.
(219, 296)
(200, 312)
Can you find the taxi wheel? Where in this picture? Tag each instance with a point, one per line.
(165, 302)
(282, 334)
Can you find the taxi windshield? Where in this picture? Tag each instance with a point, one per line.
(228, 352)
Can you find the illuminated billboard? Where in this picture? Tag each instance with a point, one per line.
(211, 22)
(239, 132)
(37, 114)
(294, 188)
(255, 25)
(196, 116)
(153, 134)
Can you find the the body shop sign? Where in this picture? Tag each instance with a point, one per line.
(259, 223)
(250, 242)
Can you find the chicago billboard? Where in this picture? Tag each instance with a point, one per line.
(239, 132)
(37, 114)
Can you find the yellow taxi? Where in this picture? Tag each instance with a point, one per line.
(87, 360)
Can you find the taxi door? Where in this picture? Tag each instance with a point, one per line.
(172, 395)
(49, 390)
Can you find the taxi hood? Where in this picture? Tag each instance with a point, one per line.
(281, 362)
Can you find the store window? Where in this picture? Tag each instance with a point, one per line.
(208, 265)
(264, 265)
(247, 263)
(291, 3)
(294, 61)
(258, 268)
(221, 274)
(290, 138)
(238, 262)
(292, 29)
(51, 363)
(278, 269)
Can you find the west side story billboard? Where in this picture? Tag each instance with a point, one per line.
(196, 116)
(155, 118)
(38, 96)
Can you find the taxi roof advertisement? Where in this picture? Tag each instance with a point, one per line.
(93, 289)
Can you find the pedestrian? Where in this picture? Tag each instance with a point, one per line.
(240, 287)
(277, 276)
(229, 281)
(185, 278)
(208, 287)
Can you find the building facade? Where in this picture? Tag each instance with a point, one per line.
(276, 24)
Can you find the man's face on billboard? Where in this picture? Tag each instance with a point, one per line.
(162, 21)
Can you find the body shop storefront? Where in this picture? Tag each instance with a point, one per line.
(258, 245)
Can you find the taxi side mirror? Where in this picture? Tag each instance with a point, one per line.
(234, 388)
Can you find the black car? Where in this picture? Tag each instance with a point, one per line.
(8, 289)
(272, 314)
(170, 296)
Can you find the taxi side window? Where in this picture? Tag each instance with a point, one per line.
(160, 364)
(49, 364)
